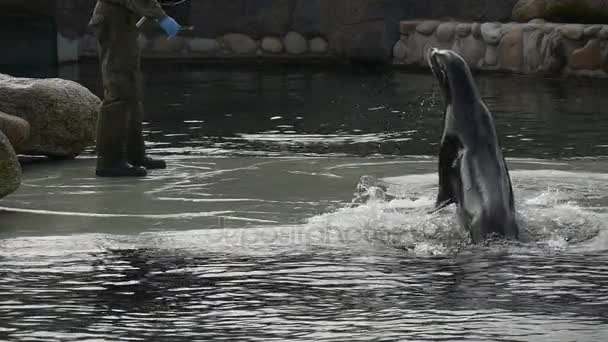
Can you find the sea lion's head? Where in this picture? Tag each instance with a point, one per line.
(452, 72)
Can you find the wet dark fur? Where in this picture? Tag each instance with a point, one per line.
(472, 170)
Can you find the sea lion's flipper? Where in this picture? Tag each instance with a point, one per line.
(441, 205)
(449, 160)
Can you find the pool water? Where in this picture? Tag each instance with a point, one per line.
(251, 233)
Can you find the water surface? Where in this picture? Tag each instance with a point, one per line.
(250, 234)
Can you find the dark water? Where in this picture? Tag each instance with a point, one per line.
(359, 111)
(249, 235)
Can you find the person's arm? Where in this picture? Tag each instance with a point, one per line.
(147, 8)
(152, 9)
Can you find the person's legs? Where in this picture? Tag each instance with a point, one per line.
(118, 55)
(136, 145)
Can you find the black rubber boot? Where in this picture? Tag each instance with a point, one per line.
(136, 145)
(112, 144)
(123, 169)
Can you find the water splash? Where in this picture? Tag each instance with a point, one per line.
(394, 212)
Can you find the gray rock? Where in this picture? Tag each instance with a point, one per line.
(588, 57)
(603, 34)
(463, 29)
(203, 45)
(307, 17)
(62, 114)
(15, 128)
(408, 26)
(318, 46)
(272, 45)
(295, 43)
(510, 49)
(550, 27)
(399, 50)
(525, 10)
(239, 43)
(164, 45)
(529, 27)
(491, 33)
(255, 18)
(10, 169)
(428, 27)
(418, 45)
(491, 57)
(552, 54)
(532, 50)
(361, 30)
(572, 31)
(471, 50)
(445, 31)
(476, 30)
(461, 10)
(592, 31)
(538, 21)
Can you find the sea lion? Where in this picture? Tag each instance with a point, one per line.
(472, 170)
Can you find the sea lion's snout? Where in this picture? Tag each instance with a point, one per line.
(436, 64)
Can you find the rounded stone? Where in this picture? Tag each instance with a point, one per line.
(10, 169)
(538, 21)
(550, 27)
(592, 31)
(445, 31)
(318, 45)
(603, 34)
(399, 50)
(239, 43)
(16, 129)
(295, 43)
(476, 30)
(491, 57)
(572, 31)
(510, 49)
(532, 52)
(491, 33)
(471, 50)
(162, 44)
(203, 45)
(529, 27)
(525, 10)
(272, 45)
(64, 128)
(463, 30)
(407, 27)
(427, 27)
(589, 57)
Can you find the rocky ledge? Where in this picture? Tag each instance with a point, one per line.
(536, 47)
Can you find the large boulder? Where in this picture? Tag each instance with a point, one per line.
(62, 114)
(10, 170)
(16, 129)
(257, 18)
(571, 11)
(364, 30)
(461, 10)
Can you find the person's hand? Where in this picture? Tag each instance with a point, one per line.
(170, 26)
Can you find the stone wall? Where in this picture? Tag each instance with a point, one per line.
(536, 47)
(291, 45)
(353, 29)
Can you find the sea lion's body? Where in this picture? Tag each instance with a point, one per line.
(472, 170)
